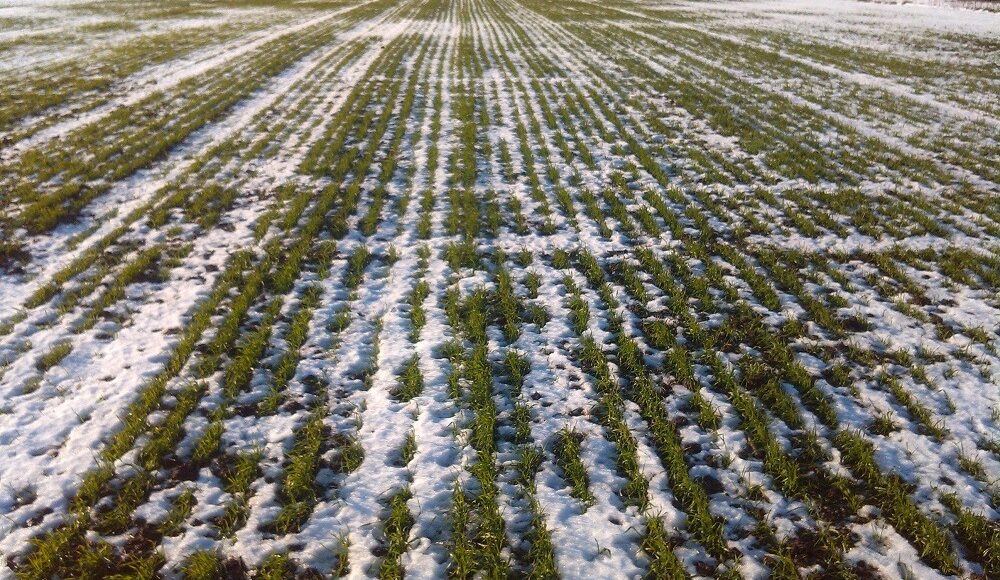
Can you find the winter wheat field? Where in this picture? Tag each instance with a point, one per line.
(499, 289)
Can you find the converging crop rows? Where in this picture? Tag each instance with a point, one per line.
(499, 288)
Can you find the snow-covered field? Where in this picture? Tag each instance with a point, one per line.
(499, 288)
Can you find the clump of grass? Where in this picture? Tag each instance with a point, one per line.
(579, 310)
(507, 305)
(168, 432)
(705, 414)
(418, 316)
(356, 264)
(411, 380)
(13, 253)
(203, 565)
(537, 315)
(396, 530)
(560, 259)
(179, 511)
(208, 443)
(425, 223)
(54, 355)
(839, 375)
(31, 384)
(462, 550)
(238, 475)
(241, 367)
(461, 255)
(656, 543)
(340, 321)
(322, 254)
(980, 535)
(567, 451)
(969, 464)
(276, 567)
(350, 454)
(342, 564)
(884, 424)
(521, 417)
(298, 490)
(409, 448)
(542, 554)
(518, 366)
(532, 282)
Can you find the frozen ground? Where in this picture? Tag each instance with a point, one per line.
(499, 288)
